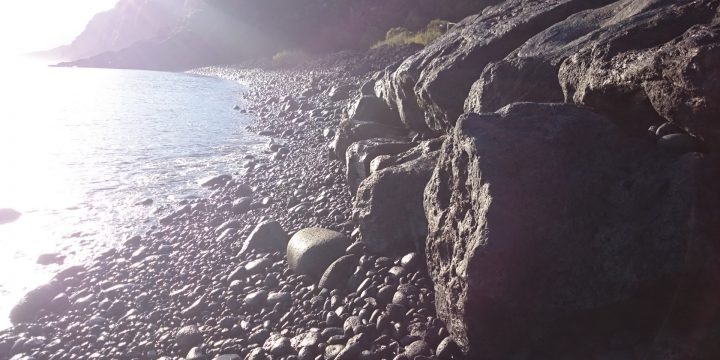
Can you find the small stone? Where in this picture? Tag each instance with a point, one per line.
(353, 348)
(215, 181)
(337, 274)
(417, 348)
(448, 349)
(667, 129)
(256, 299)
(195, 308)
(281, 347)
(332, 351)
(352, 325)
(310, 251)
(257, 266)
(188, 337)
(679, 143)
(309, 339)
(410, 262)
(278, 298)
(267, 236)
(257, 354)
(195, 353)
(228, 357)
(385, 294)
(356, 248)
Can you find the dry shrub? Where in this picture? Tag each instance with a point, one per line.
(401, 36)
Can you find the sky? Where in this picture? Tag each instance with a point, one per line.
(34, 25)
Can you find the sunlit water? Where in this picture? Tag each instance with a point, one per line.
(79, 148)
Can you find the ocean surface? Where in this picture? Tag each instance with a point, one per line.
(81, 148)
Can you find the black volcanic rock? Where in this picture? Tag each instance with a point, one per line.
(429, 88)
(389, 206)
(552, 231)
(530, 73)
(664, 71)
(359, 155)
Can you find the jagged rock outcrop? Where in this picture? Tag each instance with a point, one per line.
(530, 73)
(553, 233)
(359, 155)
(678, 81)
(389, 205)
(429, 88)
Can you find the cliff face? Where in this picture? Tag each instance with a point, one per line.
(572, 211)
(129, 22)
(156, 35)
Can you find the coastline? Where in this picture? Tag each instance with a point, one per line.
(107, 185)
(181, 290)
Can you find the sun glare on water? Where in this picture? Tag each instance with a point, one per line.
(36, 141)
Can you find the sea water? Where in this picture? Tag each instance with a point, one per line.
(83, 152)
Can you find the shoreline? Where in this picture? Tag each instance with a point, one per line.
(93, 203)
(183, 291)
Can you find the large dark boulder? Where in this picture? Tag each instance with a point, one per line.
(389, 206)
(429, 88)
(554, 233)
(530, 72)
(359, 155)
(642, 83)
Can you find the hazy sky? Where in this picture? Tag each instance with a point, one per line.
(31, 25)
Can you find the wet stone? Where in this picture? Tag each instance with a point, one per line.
(256, 299)
(257, 266)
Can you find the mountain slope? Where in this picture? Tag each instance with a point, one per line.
(129, 22)
(225, 31)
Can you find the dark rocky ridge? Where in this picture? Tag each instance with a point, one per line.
(625, 234)
(429, 87)
(648, 67)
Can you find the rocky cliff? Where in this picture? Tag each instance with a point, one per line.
(129, 22)
(572, 211)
